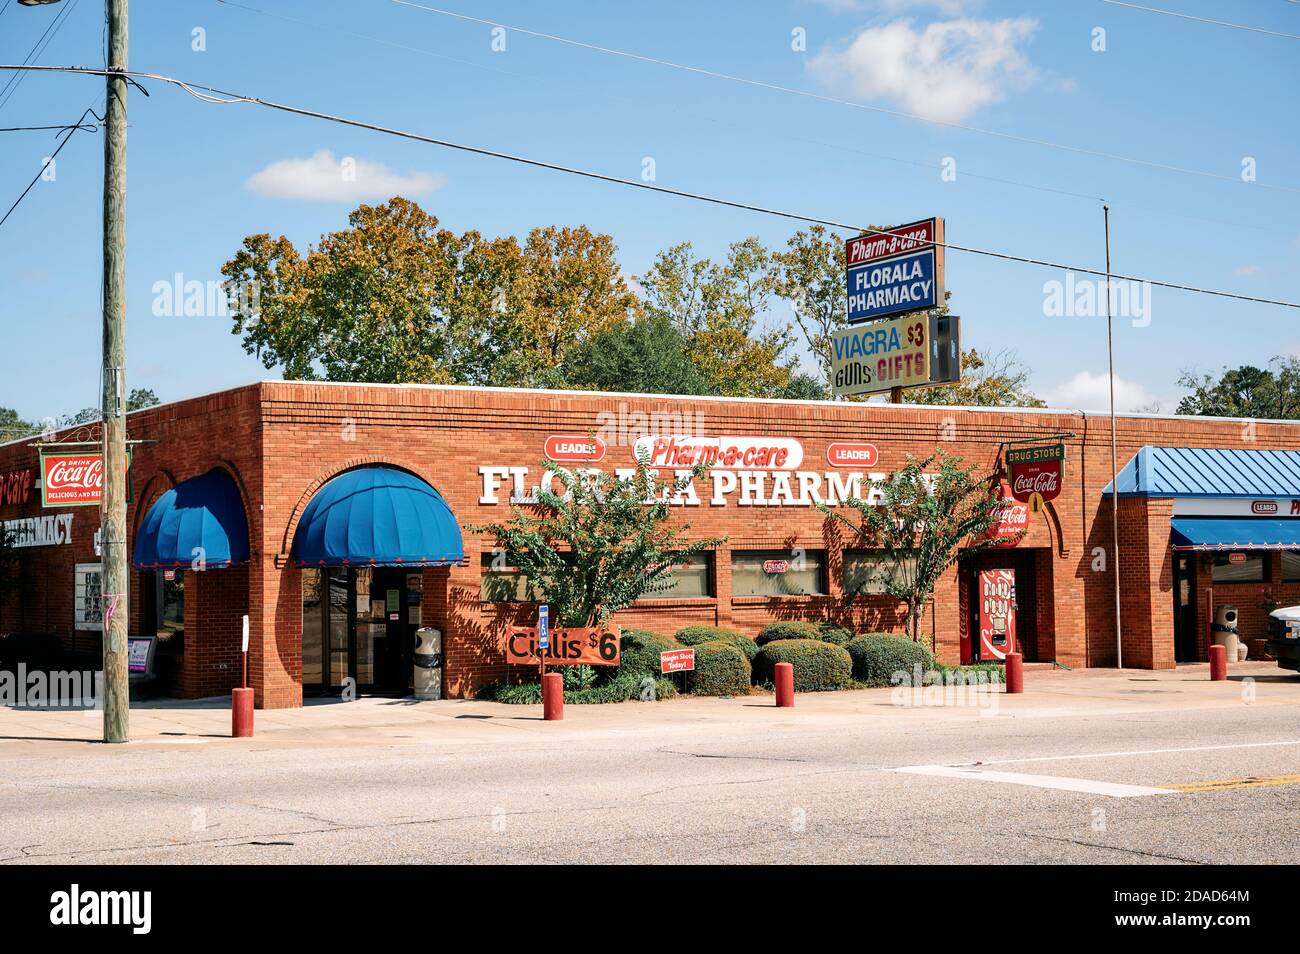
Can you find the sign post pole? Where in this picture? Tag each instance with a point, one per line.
(543, 642)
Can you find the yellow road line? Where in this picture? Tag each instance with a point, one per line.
(1225, 784)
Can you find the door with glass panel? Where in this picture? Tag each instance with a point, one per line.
(354, 624)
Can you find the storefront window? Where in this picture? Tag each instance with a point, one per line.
(503, 582)
(1291, 566)
(87, 597)
(169, 610)
(778, 572)
(863, 569)
(1239, 567)
(690, 577)
(313, 628)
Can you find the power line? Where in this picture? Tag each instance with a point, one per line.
(40, 128)
(212, 95)
(51, 30)
(1188, 16)
(71, 128)
(902, 114)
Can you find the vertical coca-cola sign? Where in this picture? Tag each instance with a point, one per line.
(1035, 471)
(72, 480)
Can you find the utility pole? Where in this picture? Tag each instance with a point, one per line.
(1114, 453)
(116, 575)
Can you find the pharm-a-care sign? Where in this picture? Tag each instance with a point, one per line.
(745, 471)
(895, 271)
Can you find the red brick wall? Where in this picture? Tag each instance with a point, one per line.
(282, 440)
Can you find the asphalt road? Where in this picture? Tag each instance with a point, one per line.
(844, 777)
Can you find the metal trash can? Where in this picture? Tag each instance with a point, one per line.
(428, 663)
(1224, 630)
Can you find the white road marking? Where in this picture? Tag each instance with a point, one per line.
(1092, 787)
(1107, 755)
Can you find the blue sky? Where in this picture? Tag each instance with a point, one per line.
(1165, 90)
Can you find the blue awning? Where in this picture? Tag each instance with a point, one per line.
(1209, 472)
(199, 517)
(1222, 533)
(377, 516)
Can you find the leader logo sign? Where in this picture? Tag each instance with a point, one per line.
(574, 449)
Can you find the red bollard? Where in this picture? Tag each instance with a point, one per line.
(241, 713)
(1218, 663)
(552, 697)
(784, 685)
(1015, 672)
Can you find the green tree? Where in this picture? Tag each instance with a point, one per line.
(395, 298)
(646, 356)
(921, 522)
(987, 380)
(810, 275)
(718, 309)
(599, 543)
(10, 569)
(805, 387)
(1245, 391)
(12, 426)
(141, 398)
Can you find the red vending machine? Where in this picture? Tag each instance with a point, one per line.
(997, 614)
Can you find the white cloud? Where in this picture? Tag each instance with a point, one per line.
(322, 178)
(1091, 392)
(944, 71)
(1245, 270)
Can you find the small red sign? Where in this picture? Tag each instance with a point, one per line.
(775, 566)
(1263, 506)
(574, 449)
(16, 486)
(852, 455)
(1010, 520)
(1236, 558)
(72, 480)
(906, 238)
(677, 660)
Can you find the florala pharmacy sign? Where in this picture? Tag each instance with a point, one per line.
(745, 471)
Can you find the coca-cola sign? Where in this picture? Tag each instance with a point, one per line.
(1035, 470)
(72, 480)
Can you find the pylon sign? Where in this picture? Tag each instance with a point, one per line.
(895, 270)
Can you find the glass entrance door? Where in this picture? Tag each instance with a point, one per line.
(354, 633)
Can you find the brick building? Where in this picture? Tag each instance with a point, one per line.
(331, 514)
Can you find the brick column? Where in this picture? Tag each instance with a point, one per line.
(1146, 582)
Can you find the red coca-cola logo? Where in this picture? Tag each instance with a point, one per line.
(852, 455)
(71, 479)
(574, 449)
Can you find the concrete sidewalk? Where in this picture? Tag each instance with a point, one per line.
(381, 721)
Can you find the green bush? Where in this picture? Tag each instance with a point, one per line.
(835, 633)
(639, 651)
(793, 629)
(818, 666)
(877, 656)
(695, 635)
(621, 688)
(721, 669)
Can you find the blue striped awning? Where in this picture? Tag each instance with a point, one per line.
(1224, 533)
(202, 517)
(1210, 472)
(377, 516)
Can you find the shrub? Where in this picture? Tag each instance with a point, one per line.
(721, 669)
(794, 629)
(818, 666)
(695, 635)
(621, 688)
(877, 656)
(835, 633)
(639, 651)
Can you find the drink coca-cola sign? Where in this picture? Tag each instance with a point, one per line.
(72, 480)
(1035, 470)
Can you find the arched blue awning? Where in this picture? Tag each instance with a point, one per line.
(202, 516)
(377, 516)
